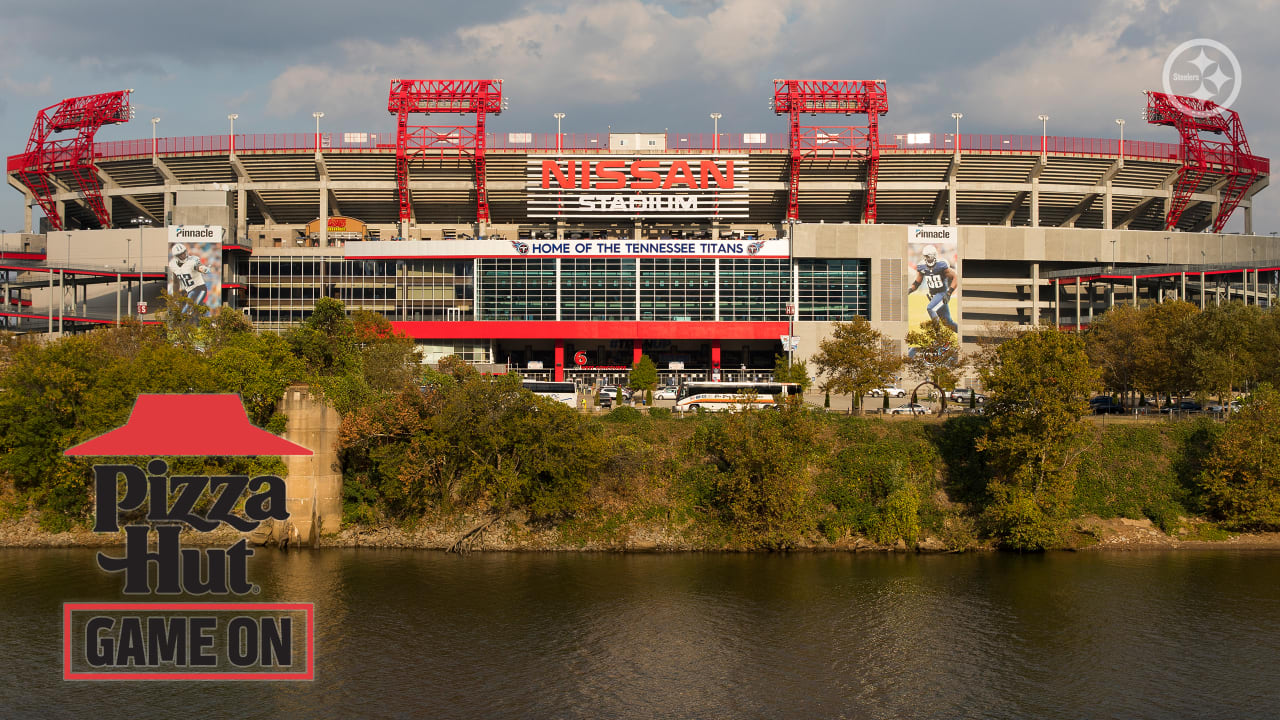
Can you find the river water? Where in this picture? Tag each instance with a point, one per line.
(403, 633)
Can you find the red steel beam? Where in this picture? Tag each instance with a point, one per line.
(457, 97)
(833, 97)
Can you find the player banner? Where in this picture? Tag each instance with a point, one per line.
(195, 263)
(933, 274)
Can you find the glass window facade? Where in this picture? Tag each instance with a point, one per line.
(677, 289)
(754, 290)
(834, 290)
(282, 291)
(598, 289)
(517, 289)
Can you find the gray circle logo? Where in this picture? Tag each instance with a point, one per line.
(1203, 69)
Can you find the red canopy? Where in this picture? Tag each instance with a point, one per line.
(188, 425)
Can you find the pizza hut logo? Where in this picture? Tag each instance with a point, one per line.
(169, 640)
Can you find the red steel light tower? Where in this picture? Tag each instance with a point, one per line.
(46, 155)
(442, 96)
(833, 97)
(1229, 157)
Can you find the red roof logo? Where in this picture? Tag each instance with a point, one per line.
(188, 425)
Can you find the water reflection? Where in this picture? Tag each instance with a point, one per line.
(418, 634)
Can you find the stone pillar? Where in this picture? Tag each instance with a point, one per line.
(242, 215)
(313, 487)
(324, 212)
(1035, 293)
(1106, 207)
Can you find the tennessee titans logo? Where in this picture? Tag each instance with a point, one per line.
(522, 248)
(754, 247)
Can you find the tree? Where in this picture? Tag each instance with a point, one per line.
(644, 376)
(1038, 384)
(855, 359)
(1113, 343)
(935, 354)
(1219, 343)
(792, 372)
(1164, 351)
(1241, 480)
(326, 340)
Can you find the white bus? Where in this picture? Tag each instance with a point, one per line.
(732, 396)
(564, 392)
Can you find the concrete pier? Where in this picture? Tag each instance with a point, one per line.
(314, 484)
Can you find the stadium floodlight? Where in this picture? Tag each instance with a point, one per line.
(1044, 130)
(317, 115)
(232, 117)
(1120, 122)
(715, 130)
(558, 116)
(956, 116)
(154, 120)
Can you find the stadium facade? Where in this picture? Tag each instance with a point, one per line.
(567, 254)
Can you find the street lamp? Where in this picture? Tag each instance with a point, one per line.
(232, 117)
(956, 117)
(1120, 122)
(558, 116)
(715, 138)
(1044, 130)
(139, 222)
(317, 115)
(154, 120)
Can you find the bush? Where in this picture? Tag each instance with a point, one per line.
(660, 413)
(623, 414)
(1240, 481)
(1018, 522)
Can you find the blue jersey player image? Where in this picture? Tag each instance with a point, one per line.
(940, 282)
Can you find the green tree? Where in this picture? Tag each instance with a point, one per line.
(1038, 384)
(753, 473)
(326, 340)
(1220, 344)
(855, 359)
(935, 354)
(796, 371)
(644, 376)
(1240, 482)
(1165, 350)
(1113, 342)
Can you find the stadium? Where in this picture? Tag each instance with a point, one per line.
(570, 255)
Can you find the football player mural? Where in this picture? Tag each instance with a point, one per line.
(932, 258)
(195, 263)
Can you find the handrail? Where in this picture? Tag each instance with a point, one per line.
(573, 143)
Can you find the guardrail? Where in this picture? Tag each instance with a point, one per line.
(348, 142)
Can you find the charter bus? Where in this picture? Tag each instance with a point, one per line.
(564, 392)
(731, 396)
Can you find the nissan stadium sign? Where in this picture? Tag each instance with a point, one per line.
(642, 186)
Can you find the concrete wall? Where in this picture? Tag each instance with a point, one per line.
(314, 483)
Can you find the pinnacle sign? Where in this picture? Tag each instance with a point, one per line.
(166, 641)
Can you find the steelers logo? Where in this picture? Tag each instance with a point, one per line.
(1203, 69)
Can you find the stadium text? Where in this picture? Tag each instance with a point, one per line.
(636, 175)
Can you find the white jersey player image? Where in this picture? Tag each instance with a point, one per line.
(189, 273)
(940, 281)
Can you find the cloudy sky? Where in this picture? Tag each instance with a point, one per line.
(632, 64)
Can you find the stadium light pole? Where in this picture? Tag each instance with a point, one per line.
(715, 137)
(154, 120)
(956, 117)
(232, 117)
(1044, 130)
(138, 222)
(558, 116)
(317, 115)
(1120, 122)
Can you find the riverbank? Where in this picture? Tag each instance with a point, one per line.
(1090, 533)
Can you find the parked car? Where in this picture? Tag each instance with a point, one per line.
(1219, 408)
(890, 391)
(1106, 405)
(665, 393)
(1186, 406)
(609, 395)
(911, 409)
(962, 395)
